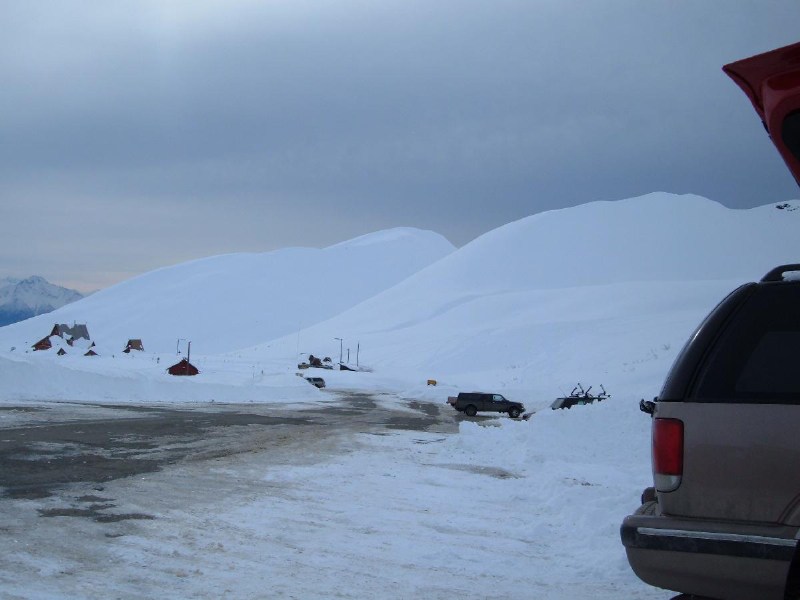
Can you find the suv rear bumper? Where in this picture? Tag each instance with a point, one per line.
(708, 558)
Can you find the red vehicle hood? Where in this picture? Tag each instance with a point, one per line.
(772, 82)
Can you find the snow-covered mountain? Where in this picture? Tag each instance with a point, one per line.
(232, 301)
(601, 290)
(21, 299)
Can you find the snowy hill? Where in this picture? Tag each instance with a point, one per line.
(657, 237)
(227, 302)
(21, 299)
(604, 292)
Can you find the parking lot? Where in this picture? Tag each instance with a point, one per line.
(49, 446)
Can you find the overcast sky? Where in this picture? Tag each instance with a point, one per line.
(135, 135)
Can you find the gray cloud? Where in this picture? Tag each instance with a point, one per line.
(182, 129)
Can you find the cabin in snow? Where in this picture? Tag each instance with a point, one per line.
(43, 344)
(134, 345)
(183, 368)
(65, 332)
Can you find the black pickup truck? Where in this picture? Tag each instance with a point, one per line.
(472, 402)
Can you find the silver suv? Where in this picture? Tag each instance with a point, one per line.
(723, 518)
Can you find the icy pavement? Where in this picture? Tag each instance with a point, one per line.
(398, 515)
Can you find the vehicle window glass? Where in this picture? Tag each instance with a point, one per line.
(772, 367)
(790, 132)
(756, 358)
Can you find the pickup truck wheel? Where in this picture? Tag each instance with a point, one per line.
(471, 410)
(513, 412)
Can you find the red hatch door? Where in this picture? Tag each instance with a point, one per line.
(772, 82)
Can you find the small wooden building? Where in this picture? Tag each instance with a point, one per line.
(70, 334)
(43, 344)
(183, 368)
(134, 345)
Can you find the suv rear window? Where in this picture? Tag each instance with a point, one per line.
(756, 358)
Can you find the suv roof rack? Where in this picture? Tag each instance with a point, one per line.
(776, 274)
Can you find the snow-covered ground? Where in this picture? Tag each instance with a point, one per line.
(604, 293)
(508, 509)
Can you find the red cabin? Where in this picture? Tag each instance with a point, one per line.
(183, 368)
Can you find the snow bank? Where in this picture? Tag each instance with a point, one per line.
(143, 380)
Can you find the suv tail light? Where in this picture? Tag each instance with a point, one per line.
(667, 454)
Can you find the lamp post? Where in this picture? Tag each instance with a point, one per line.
(340, 349)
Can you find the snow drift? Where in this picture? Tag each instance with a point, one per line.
(601, 293)
(606, 291)
(231, 301)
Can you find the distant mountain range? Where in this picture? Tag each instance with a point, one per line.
(22, 299)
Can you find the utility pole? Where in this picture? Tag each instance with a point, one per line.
(358, 347)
